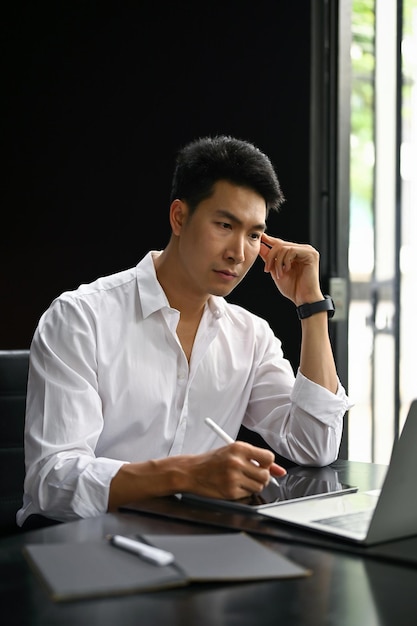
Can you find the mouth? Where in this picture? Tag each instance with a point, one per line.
(226, 274)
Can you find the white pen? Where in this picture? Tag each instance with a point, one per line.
(145, 551)
(228, 439)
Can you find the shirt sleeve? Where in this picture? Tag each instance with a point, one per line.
(64, 478)
(317, 420)
(301, 420)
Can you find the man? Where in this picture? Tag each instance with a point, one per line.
(124, 371)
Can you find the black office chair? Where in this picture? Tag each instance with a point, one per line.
(13, 382)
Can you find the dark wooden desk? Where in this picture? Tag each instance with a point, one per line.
(345, 589)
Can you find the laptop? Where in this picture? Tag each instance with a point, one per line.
(370, 517)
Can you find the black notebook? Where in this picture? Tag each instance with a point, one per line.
(83, 570)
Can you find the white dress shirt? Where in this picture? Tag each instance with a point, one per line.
(109, 383)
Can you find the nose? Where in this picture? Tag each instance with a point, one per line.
(236, 250)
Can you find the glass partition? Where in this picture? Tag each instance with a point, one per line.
(383, 224)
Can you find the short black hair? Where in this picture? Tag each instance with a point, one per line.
(204, 161)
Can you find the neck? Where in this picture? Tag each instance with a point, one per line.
(176, 285)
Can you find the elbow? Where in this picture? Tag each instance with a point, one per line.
(315, 453)
(320, 461)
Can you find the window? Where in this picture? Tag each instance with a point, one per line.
(382, 341)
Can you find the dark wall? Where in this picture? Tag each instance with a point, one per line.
(97, 102)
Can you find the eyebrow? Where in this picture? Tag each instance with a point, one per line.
(230, 216)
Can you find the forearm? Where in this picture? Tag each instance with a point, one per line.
(149, 479)
(316, 357)
(226, 472)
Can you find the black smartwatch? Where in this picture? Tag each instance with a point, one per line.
(306, 310)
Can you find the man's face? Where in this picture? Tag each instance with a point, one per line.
(220, 241)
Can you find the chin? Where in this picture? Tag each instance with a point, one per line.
(221, 292)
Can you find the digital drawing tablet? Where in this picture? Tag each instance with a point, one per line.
(301, 484)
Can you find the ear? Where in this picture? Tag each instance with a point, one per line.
(178, 213)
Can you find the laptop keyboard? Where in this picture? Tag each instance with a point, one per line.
(355, 522)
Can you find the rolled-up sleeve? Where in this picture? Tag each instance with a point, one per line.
(316, 421)
(304, 426)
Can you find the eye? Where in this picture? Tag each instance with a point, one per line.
(255, 236)
(225, 225)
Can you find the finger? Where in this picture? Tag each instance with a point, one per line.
(270, 241)
(280, 256)
(261, 457)
(271, 257)
(254, 481)
(277, 470)
(288, 259)
(277, 265)
(263, 250)
(273, 468)
(267, 243)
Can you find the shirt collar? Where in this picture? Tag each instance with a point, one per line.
(152, 296)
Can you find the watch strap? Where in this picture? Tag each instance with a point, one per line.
(310, 308)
